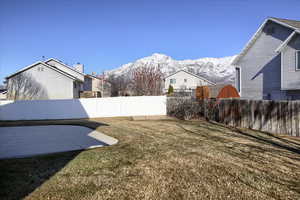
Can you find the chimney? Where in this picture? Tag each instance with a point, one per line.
(79, 67)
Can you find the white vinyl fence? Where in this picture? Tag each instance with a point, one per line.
(83, 108)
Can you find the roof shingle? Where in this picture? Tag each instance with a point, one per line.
(293, 23)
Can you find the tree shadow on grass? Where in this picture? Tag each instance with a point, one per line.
(19, 177)
(268, 141)
(260, 138)
(285, 144)
(252, 155)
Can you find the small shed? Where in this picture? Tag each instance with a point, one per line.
(216, 92)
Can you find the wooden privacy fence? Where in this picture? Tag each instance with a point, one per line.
(279, 117)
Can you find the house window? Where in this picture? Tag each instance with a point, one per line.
(75, 85)
(185, 80)
(297, 60)
(238, 79)
(172, 81)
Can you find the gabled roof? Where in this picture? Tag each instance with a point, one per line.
(192, 75)
(292, 24)
(99, 78)
(53, 59)
(44, 64)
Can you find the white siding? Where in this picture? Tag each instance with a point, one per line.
(55, 84)
(191, 83)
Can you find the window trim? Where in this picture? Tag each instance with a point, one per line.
(297, 60)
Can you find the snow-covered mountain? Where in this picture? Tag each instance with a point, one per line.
(218, 70)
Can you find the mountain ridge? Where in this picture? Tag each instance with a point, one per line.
(218, 70)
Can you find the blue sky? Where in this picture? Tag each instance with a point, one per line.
(104, 34)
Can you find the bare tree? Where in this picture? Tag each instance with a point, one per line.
(120, 85)
(24, 87)
(147, 80)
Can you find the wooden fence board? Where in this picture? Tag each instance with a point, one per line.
(279, 117)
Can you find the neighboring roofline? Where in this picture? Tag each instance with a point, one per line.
(282, 23)
(255, 36)
(93, 76)
(101, 79)
(192, 75)
(46, 65)
(64, 73)
(250, 42)
(24, 69)
(64, 65)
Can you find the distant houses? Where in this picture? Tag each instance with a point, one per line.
(50, 79)
(269, 65)
(184, 81)
(95, 86)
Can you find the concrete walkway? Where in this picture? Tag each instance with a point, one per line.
(24, 141)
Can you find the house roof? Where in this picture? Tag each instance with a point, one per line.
(46, 65)
(50, 59)
(90, 75)
(192, 75)
(292, 24)
(96, 77)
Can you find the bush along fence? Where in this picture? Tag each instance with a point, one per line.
(279, 117)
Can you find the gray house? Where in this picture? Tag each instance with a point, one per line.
(50, 79)
(269, 65)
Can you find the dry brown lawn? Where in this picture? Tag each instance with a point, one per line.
(162, 159)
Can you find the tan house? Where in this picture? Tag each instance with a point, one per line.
(95, 86)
